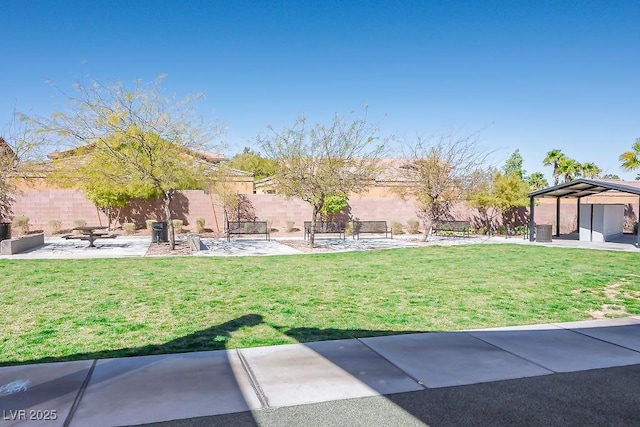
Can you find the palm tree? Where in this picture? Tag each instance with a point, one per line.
(590, 170)
(537, 181)
(569, 169)
(553, 159)
(631, 159)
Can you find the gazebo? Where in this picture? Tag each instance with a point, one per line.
(576, 189)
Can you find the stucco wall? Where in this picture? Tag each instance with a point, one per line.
(41, 206)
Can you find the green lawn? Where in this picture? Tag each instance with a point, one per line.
(78, 309)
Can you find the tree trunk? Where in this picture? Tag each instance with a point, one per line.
(312, 231)
(168, 195)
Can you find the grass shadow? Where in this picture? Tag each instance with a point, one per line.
(213, 338)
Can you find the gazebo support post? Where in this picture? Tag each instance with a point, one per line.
(578, 208)
(557, 216)
(532, 222)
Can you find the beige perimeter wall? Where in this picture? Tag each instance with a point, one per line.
(44, 205)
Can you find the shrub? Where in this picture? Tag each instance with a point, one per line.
(200, 225)
(290, 225)
(177, 225)
(129, 227)
(412, 226)
(149, 223)
(22, 222)
(502, 230)
(79, 223)
(348, 228)
(55, 225)
(521, 230)
(396, 227)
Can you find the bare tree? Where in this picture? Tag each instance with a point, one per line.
(19, 152)
(146, 143)
(316, 162)
(440, 173)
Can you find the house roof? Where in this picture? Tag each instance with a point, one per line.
(587, 187)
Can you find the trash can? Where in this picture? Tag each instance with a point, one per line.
(159, 232)
(5, 230)
(543, 233)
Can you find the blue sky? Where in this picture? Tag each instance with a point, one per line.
(532, 75)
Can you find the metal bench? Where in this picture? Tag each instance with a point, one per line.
(371, 227)
(323, 227)
(248, 227)
(453, 228)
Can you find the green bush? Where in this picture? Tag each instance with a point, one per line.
(290, 225)
(177, 225)
(200, 225)
(55, 225)
(412, 226)
(22, 222)
(521, 230)
(129, 227)
(396, 227)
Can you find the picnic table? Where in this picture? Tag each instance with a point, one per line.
(91, 234)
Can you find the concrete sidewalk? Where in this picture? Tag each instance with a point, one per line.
(248, 385)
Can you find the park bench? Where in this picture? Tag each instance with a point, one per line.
(323, 227)
(371, 227)
(453, 228)
(248, 227)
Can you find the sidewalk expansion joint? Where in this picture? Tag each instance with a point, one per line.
(511, 353)
(264, 401)
(596, 338)
(420, 383)
(83, 388)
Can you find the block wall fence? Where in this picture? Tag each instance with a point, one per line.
(42, 206)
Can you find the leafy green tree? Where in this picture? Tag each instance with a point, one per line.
(630, 160)
(250, 161)
(513, 165)
(333, 204)
(537, 181)
(323, 161)
(611, 176)
(553, 158)
(502, 194)
(590, 170)
(147, 144)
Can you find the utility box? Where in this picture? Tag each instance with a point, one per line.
(543, 232)
(601, 223)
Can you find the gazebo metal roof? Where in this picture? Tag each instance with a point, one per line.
(583, 188)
